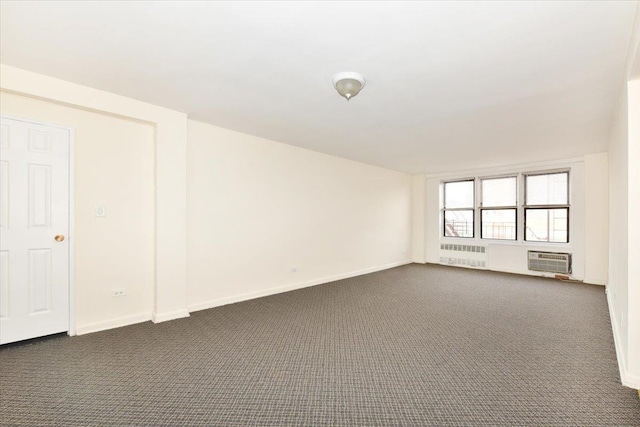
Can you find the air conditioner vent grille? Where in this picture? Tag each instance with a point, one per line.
(549, 262)
(552, 256)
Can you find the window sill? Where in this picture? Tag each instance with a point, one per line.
(485, 242)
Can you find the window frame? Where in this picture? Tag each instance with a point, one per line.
(513, 207)
(567, 205)
(445, 209)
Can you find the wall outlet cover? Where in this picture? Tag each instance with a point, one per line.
(118, 292)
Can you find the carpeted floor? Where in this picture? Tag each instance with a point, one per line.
(414, 345)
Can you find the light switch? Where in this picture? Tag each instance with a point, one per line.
(101, 210)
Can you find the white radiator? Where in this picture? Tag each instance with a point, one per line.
(463, 255)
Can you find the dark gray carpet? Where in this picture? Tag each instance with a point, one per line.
(414, 345)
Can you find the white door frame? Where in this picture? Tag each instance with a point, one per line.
(72, 214)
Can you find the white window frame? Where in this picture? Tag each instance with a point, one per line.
(526, 206)
(445, 209)
(514, 207)
(520, 207)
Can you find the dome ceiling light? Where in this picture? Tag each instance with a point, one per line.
(348, 85)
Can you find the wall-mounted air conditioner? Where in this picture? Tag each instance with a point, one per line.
(551, 262)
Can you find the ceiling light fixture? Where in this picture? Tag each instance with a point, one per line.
(348, 85)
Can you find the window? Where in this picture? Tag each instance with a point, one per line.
(544, 203)
(546, 207)
(459, 208)
(499, 208)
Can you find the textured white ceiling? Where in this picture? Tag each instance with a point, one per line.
(450, 85)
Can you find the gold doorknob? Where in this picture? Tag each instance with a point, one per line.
(59, 238)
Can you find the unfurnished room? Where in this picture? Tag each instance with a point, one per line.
(305, 213)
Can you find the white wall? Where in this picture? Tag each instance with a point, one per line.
(618, 225)
(276, 206)
(512, 256)
(633, 283)
(624, 274)
(114, 165)
(258, 208)
(623, 287)
(433, 219)
(596, 210)
(170, 285)
(418, 219)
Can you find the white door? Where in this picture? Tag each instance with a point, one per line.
(34, 229)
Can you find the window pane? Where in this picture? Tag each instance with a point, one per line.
(499, 224)
(458, 194)
(458, 223)
(547, 225)
(548, 189)
(499, 192)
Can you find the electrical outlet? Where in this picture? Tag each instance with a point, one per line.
(294, 269)
(118, 292)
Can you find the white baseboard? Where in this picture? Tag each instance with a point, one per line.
(515, 271)
(622, 365)
(632, 381)
(113, 323)
(170, 315)
(628, 379)
(533, 273)
(279, 289)
(595, 280)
